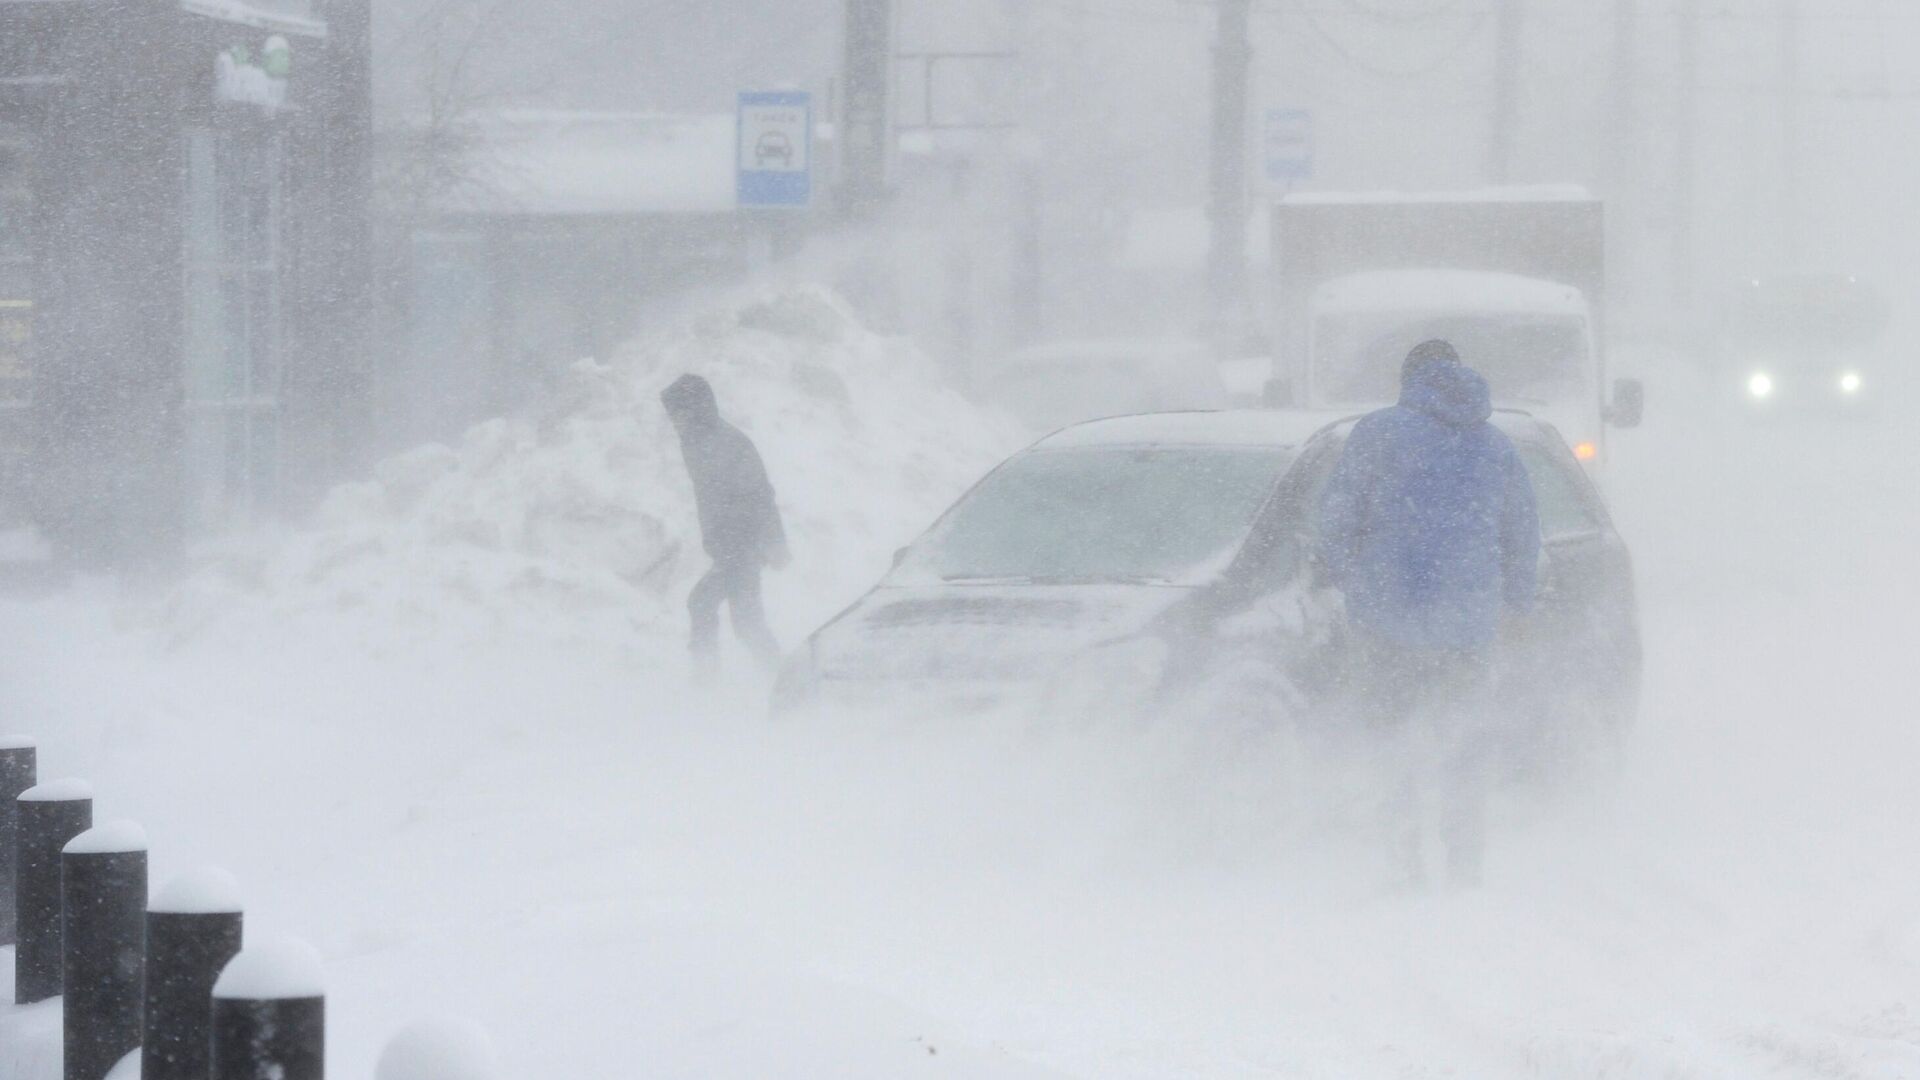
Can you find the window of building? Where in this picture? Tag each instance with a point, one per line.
(16, 319)
(16, 263)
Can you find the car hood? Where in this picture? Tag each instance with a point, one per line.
(985, 633)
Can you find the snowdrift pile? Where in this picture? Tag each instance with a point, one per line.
(577, 522)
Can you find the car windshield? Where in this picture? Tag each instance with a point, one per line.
(1099, 515)
(1539, 359)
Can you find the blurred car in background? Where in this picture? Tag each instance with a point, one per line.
(1050, 386)
(1151, 561)
(1804, 344)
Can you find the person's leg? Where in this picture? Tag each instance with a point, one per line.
(749, 616)
(1463, 825)
(1465, 773)
(703, 612)
(1389, 691)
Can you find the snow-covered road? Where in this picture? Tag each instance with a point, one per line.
(620, 879)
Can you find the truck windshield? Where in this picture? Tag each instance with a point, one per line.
(1538, 359)
(1114, 514)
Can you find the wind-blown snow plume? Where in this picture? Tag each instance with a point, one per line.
(576, 521)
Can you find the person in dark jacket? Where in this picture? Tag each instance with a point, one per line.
(739, 523)
(1429, 530)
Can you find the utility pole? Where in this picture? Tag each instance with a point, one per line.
(1684, 120)
(1623, 125)
(1790, 184)
(1620, 172)
(867, 104)
(1227, 207)
(1506, 92)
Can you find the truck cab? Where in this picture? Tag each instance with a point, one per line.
(1533, 340)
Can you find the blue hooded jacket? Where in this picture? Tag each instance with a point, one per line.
(1428, 523)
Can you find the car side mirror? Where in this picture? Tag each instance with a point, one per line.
(1629, 403)
(1277, 393)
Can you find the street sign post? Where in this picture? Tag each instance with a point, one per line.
(1287, 137)
(774, 152)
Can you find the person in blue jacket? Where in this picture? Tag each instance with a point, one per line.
(1428, 529)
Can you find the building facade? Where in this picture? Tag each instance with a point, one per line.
(565, 231)
(184, 268)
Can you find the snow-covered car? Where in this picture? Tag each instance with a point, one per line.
(1145, 560)
(1076, 554)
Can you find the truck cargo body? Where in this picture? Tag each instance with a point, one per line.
(1516, 279)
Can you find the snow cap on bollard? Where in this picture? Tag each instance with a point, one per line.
(17, 742)
(440, 1048)
(275, 970)
(208, 890)
(68, 790)
(114, 838)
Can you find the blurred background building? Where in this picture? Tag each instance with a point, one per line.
(184, 261)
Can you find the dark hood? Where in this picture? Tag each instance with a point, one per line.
(690, 398)
(1450, 393)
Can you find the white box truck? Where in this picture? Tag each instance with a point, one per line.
(1514, 278)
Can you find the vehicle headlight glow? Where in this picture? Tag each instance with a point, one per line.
(1760, 385)
(1850, 382)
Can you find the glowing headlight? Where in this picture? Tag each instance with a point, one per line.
(1850, 382)
(1761, 385)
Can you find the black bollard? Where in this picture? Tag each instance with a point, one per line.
(104, 941)
(270, 1015)
(16, 775)
(50, 815)
(193, 930)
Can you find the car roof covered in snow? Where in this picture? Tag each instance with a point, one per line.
(1231, 427)
(1516, 424)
